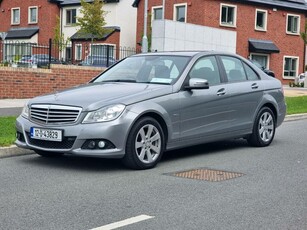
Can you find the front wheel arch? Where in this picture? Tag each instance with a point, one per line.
(145, 144)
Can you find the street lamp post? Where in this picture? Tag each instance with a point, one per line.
(145, 39)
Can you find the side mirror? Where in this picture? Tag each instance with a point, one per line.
(197, 83)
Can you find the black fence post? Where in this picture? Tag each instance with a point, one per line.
(50, 47)
(108, 55)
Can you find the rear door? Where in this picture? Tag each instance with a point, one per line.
(244, 91)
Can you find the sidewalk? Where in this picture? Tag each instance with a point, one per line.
(13, 103)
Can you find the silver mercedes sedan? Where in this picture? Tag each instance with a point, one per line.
(149, 103)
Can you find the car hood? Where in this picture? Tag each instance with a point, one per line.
(93, 96)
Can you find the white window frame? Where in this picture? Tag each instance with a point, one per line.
(234, 24)
(175, 11)
(264, 55)
(297, 66)
(103, 44)
(77, 58)
(12, 16)
(29, 15)
(265, 20)
(298, 24)
(153, 11)
(66, 22)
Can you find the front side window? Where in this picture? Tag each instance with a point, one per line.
(228, 15)
(157, 12)
(71, 16)
(234, 69)
(33, 14)
(180, 12)
(261, 20)
(15, 16)
(293, 22)
(206, 68)
(290, 66)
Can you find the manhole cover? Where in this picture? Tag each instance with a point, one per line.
(207, 174)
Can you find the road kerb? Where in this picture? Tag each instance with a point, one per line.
(13, 150)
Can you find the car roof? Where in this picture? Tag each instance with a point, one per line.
(186, 53)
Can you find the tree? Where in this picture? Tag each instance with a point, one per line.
(59, 38)
(92, 19)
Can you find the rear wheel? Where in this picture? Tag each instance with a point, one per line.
(264, 128)
(48, 154)
(145, 144)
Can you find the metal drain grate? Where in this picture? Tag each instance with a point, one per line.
(207, 174)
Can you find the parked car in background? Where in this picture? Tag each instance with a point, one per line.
(300, 78)
(38, 60)
(267, 71)
(150, 103)
(98, 60)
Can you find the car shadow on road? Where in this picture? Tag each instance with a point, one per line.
(68, 162)
(204, 149)
(100, 165)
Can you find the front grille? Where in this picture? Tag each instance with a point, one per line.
(54, 114)
(66, 143)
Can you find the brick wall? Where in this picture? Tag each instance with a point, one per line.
(28, 83)
(47, 13)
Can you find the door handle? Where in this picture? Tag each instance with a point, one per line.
(221, 92)
(255, 86)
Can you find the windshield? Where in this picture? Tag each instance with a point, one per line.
(158, 69)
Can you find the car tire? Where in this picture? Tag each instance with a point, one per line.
(145, 144)
(48, 154)
(264, 128)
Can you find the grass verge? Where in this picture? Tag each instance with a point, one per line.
(295, 105)
(7, 131)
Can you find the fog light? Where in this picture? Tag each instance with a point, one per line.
(91, 145)
(101, 144)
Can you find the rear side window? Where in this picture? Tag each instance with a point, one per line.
(234, 69)
(251, 74)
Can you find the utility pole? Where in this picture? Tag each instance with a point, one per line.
(145, 39)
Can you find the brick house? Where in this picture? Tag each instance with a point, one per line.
(30, 24)
(268, 31)
(26, 22)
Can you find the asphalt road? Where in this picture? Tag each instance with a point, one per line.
(84, 193)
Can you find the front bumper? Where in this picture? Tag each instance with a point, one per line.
(74, 136)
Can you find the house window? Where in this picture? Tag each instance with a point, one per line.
(290, 66)
(157, 12)
(180, 12)
(293, 22)
(228, 15)
(32, 14)
(78, 53)
(71, 16)
(261, 20)
(15, 16)
(262, 60)
(103, 50)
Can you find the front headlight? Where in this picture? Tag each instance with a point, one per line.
(109, 113)
(25, 111)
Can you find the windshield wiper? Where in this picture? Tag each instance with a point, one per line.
(120, 80)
